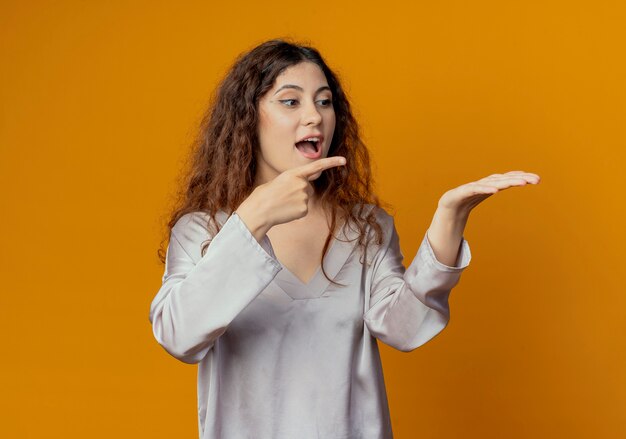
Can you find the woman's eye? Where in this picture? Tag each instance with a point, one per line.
(288, 100)
(293, 102)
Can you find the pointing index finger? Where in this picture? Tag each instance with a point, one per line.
(319, 165)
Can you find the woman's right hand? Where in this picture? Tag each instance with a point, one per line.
(283, 199)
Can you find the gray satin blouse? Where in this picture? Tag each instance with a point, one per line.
(280, 359)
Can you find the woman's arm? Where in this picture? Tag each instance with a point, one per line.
(445, 234)
(455, 205)
(201, 295)
(408, 307)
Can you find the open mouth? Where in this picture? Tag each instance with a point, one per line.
(311, 148)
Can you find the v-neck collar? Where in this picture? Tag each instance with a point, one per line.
(290, 273)
(338, 253)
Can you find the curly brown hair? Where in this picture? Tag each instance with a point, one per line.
(220, 171)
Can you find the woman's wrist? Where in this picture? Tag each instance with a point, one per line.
(254, 220)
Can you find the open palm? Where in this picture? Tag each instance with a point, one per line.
(465, 197)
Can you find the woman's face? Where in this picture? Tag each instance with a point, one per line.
(299, 105)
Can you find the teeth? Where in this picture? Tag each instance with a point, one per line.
(312, 139)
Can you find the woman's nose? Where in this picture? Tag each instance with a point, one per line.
(311, 114)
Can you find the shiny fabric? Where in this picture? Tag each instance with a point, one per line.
(280, 359)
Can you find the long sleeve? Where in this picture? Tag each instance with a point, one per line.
(408, 307)
(201, 295)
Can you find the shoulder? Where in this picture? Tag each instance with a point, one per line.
(194, 228)
(381, 213)
(367, 208)
(385, 225)
(382, 217)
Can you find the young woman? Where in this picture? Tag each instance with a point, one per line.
(282, 269)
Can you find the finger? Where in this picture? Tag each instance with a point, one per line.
(477, 188)
(526, 174)
(505, 183)
(318, 166)
(513, 173)
(528, 177)
(310, 190)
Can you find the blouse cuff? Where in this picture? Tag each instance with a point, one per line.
(462, 261)
(263, 248)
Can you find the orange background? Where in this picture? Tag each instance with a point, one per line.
(100, 100)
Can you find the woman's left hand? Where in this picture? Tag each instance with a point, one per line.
(446, 229)
(461, 200)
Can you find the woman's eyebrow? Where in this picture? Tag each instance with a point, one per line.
(297, 87)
